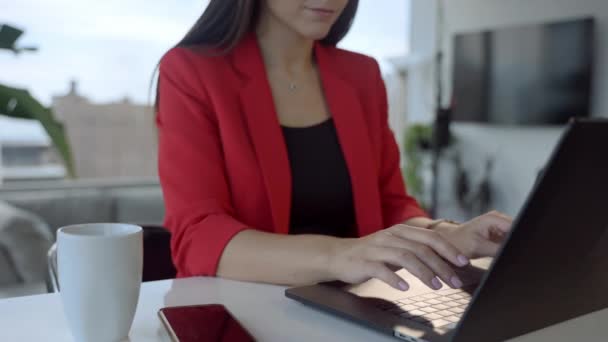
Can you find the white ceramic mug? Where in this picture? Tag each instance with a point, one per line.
(99, 269)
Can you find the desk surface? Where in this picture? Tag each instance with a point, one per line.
(262, 309)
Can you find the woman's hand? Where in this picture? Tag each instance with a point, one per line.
(480, 237)
(424, 253)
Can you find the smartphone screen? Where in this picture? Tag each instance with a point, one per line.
(203, 323)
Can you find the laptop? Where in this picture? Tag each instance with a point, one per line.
(552, 267)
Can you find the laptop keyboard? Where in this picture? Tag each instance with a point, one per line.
(434, 309)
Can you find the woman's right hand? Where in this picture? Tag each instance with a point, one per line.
(422, 252)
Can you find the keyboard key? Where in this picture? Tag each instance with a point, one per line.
(458, 310)
(409, 307)
(419, 304)
(440, 323)
(433, 301)
(444, 313)
(432, 316)
(454, 296)
(414, 300)
(463, 301)
(441, 306)
(449, 291)
(453, 319)
(416, 313)
(430, 296)
(451, 304)
(428, 309)
(405, 301)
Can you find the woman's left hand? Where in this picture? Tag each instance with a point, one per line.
(480, 237)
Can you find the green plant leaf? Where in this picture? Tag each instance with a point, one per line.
(20, 104)
(415, 135)
(9, 36)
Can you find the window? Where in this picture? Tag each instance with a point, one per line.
(94, 66)
(381, 29)
(23, 155)
(96, 60)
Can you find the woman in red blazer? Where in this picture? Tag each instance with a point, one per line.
(277, 162)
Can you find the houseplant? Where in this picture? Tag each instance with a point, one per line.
(417, 138)
(19, 103)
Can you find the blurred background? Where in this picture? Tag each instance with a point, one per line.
(479, 92)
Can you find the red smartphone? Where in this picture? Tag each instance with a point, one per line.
(202, 323)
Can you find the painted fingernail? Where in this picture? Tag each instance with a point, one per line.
(403, 286)
(456, 282)
(463, 260)
(436, 283)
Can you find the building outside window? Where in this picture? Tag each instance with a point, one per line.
(96, 74)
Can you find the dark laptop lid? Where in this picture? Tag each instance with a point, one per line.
(554, 266)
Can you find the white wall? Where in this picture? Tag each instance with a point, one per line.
(476, 15)
(396, 86)
(522, 151)
(421, 95)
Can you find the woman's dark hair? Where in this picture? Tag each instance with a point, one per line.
(225, 22)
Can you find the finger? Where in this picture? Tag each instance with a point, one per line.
(422, 272)
(410, 262)
(498, 220)
(437, 265)
(395, 254)
(501, 215)
(496, 235)
(381, 272)
(487, 248)
(432, 239)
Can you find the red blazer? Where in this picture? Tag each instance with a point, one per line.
(222, 158)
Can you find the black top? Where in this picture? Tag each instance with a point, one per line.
(322, 199)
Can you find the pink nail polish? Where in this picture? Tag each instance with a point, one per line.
(463, 260)
(436, 283)
(403, 286)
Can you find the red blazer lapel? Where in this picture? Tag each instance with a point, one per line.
(264, 128)
(347, 111)
(269, 144)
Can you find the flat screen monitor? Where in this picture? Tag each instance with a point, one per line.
(528, 75)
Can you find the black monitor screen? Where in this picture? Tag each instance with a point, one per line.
(534, 75)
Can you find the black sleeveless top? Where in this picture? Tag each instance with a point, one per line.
(322, 199)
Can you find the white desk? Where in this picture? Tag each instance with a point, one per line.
(262, 309)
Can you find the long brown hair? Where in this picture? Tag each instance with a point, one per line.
(224, 23)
